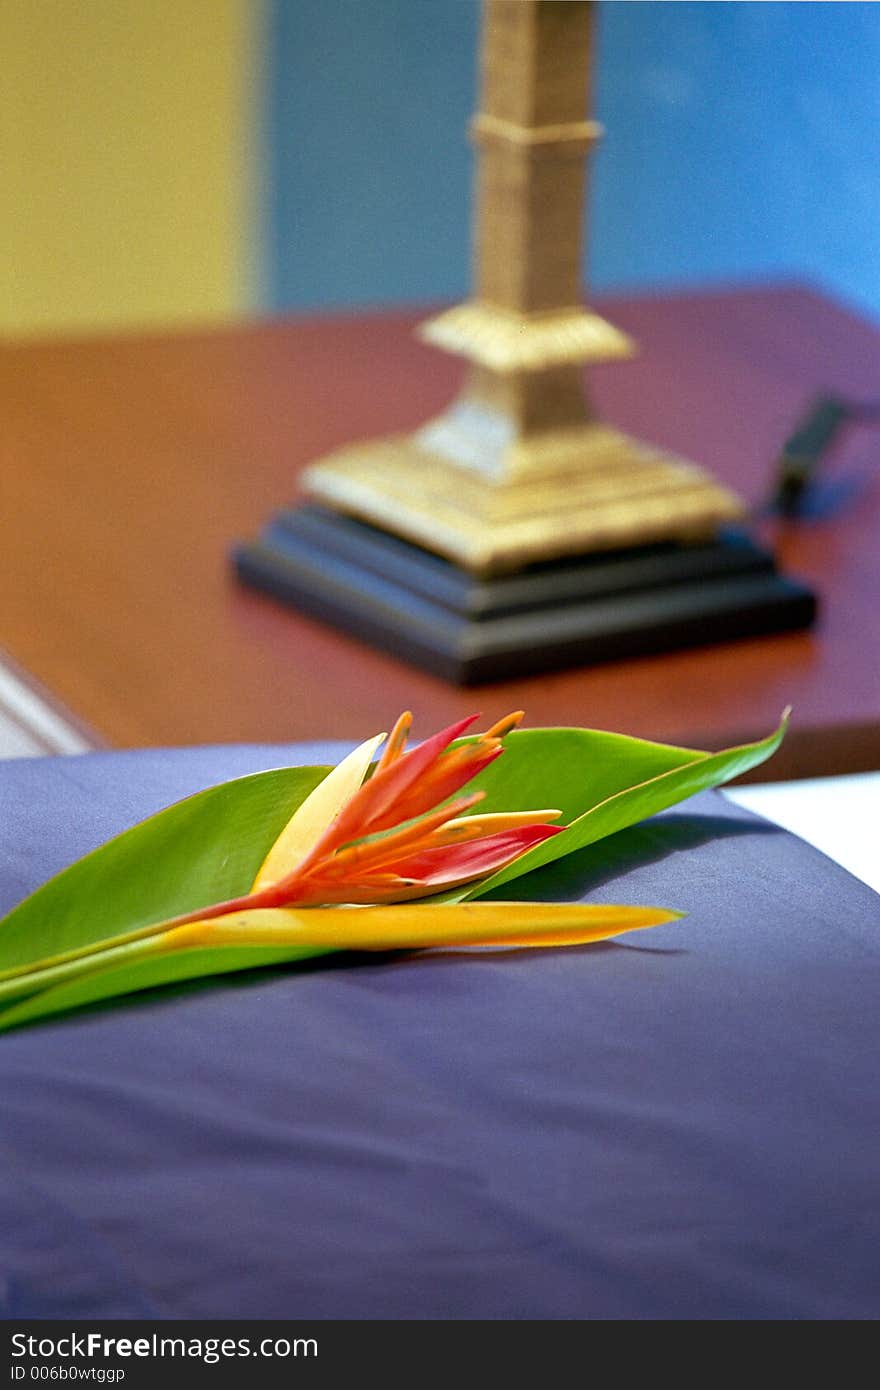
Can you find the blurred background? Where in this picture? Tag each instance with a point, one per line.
(183, 162)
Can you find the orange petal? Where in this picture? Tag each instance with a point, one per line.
(381, 796)
(417, 873)
(396, 742)
(448, 775)
(369, 808)
(505, 725)
(369, 855)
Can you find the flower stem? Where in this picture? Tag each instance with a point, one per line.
(78, 953)
(42, 977)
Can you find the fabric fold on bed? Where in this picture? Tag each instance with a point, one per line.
(676, 1124)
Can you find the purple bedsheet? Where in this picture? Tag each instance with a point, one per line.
(682, 1123)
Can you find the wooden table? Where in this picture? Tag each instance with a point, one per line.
(129, 465)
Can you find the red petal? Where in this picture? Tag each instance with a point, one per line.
(366, 857)
(449, 774)
(362, 814)
(473, 859)
(383, 790)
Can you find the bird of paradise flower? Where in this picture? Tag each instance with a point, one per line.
(366, 842)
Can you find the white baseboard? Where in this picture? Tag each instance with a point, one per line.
(31, 725)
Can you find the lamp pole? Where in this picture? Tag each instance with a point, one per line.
(518, 532)
(519, 469)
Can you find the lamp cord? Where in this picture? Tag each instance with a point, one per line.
(802, 453)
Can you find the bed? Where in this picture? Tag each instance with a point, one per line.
(677, 1124)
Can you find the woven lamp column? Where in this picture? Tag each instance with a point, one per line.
(518, 470)
(517, 532)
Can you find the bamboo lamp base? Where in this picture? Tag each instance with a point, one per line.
(569, 491)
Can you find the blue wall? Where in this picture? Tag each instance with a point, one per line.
(369, 166)
(742, 141)
(742, 144)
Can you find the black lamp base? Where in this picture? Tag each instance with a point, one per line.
(575, 611)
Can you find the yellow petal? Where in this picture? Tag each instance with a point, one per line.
(315, 814)
(492, 823)
(417, 926)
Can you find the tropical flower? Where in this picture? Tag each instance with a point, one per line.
(403, 832)
(381, 840)
(371, 837)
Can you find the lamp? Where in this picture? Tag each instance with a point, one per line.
(517, 531)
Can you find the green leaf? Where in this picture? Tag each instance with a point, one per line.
(131, 976)
(573, 769)
(609, 781)
(199, 851)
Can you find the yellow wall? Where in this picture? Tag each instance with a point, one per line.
(127, 187)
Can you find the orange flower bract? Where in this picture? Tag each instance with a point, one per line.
(404, 833)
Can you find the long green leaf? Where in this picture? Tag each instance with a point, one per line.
(626, 781)
(199, 851)
(574, 769)
(131, 976)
